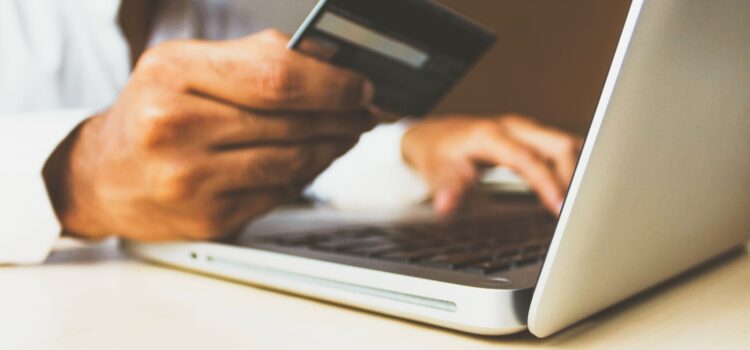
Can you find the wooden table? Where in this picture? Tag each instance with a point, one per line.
(93, 297)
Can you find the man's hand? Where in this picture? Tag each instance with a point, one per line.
(449, 151)
(205, 137)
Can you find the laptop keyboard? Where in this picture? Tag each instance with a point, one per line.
(482, 247)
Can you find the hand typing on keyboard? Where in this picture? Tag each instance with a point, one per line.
(449, 151)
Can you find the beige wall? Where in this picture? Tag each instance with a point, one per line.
(550, 60)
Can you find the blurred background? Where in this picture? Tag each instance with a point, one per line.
(550, 61)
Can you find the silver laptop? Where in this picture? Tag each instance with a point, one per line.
(663, 184)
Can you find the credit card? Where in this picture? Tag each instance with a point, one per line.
(414, 51)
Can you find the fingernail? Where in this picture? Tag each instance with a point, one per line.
(446, 201)
(442, 200)
(368, 92)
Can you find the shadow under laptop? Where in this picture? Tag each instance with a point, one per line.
(75, 252)
(640, 308)
(599, 328)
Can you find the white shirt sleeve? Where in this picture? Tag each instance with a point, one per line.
(372, 176)
(28, 225)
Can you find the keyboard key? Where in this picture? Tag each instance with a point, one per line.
(506, 252)
(292, 241)
(527, 261)
(476, 246)
(372, 251)
(336, 245)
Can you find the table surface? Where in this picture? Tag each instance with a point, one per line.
(94, 297)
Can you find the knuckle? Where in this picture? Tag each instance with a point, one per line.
(569, 145)
(158, 125)
(281, 168)
(512, 121)
(151, 60)
(513, 118)
(177, 183)
(156, 59)
(279, 82)
(486, 130)
(163, 64)
(523, 159)
(286, 167)
(273, 35)
(301, 159)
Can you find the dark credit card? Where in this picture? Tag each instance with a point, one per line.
(414, 51)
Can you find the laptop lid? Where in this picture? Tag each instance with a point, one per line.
(664, 179)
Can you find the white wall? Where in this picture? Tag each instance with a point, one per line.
(286, 15)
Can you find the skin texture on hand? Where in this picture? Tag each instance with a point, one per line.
(450, 151)
(205, 137)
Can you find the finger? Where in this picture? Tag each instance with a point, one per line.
(223, 216)
(246, 206)
(313, 47)
(557, 146)
(272, 36)
(383, 116)
(318, 48)
(273, 166)
(260, 129)
(447, 201)
(450, 184)
(534, 169)
(205, 122)
(257, 74)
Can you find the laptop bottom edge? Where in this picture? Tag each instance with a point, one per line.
(476, 310)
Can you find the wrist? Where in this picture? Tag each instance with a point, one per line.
(407, 144)
(407, 149)
(69, 187)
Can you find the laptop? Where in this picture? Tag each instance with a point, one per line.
(662, 185)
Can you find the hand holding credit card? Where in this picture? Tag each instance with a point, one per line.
(414, 51)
